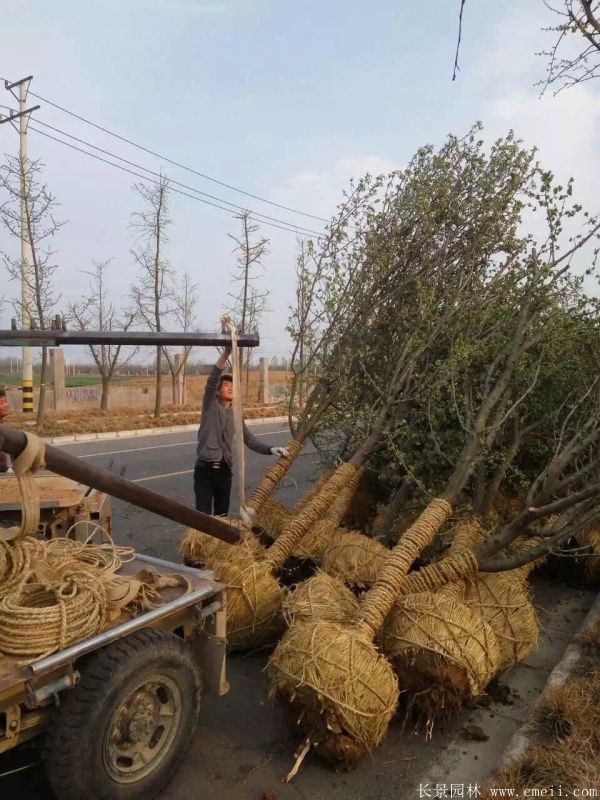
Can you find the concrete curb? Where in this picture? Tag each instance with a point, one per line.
(107, 435)
(524, 737)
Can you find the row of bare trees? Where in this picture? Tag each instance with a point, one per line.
(159, 299)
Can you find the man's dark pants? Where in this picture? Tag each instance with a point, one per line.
(212, 487)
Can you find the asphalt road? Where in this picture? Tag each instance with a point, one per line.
(242, 748)
(165, 463)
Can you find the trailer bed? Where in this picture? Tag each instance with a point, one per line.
(172, 606)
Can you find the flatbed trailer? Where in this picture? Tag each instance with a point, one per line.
(117, 710)
(65, 505)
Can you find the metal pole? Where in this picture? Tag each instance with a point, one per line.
(26, 257)
(13, 442)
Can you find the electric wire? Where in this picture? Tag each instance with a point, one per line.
(299, 232)
(264, 219)
(175, 163)
(172, 181)
(215, 202)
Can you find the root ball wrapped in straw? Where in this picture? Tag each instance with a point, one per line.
(342, 690)
(202, 550)
(272, 517)
(348, 692)
(317, 539)
(254, 601)
(354, 559)
(441, 649)
(321, 597)
(503, 601)
(590, 537)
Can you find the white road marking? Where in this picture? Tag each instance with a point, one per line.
(157, 446)
(164, 475)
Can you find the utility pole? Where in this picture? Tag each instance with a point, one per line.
(26, 257)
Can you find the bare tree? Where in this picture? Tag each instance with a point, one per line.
(250, 303)
(575, 56)
(22, 179)
(97, 312)
(185, 302)
(302, 323)
(152, 293)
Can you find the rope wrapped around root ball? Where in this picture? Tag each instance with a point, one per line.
(343, 689)
(254, 597)
(442, 650)
(200, 549)
(254, 601)
(272, 517)
(321, 597)
(354, 558)
(503, 601)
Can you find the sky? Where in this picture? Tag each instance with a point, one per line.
(285, 100)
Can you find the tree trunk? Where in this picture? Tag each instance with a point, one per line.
(158, 398)
(175, 387)
(104, 395)
(42, 398)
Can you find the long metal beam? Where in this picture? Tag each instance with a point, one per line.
(13, 442)
(51, 338)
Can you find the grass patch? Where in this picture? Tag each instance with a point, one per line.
(567, 752)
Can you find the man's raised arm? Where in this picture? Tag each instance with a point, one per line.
(212, 382)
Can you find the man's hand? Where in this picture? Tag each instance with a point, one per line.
(283, 452)
(222, 360)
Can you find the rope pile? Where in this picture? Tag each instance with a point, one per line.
(56, 592)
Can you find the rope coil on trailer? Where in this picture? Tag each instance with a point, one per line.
(56, 592)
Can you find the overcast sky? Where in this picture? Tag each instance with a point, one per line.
(286, 100)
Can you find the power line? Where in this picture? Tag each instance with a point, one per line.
(176, 191)
(177, 163)
(235, 206)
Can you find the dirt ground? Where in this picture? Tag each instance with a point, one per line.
(123, 419)
(92, 420)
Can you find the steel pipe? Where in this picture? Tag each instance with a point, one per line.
(53, 338)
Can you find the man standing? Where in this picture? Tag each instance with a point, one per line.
(214, 458)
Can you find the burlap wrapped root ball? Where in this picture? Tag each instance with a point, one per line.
(355, 559)
(443, 651)
(254, 601)
(341, 690)
(200, 549)
(321, 597)
(503, 601)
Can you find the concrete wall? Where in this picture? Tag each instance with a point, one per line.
(89, 397)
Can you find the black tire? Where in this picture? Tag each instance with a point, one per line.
(98, 733)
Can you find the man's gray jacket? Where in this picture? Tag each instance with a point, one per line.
(215, 435)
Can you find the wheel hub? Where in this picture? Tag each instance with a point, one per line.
(137, 718)
(142, 729)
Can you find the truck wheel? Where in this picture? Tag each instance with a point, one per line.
(123, 730)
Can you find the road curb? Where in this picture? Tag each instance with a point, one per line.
(107, 435)
(524, 737)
